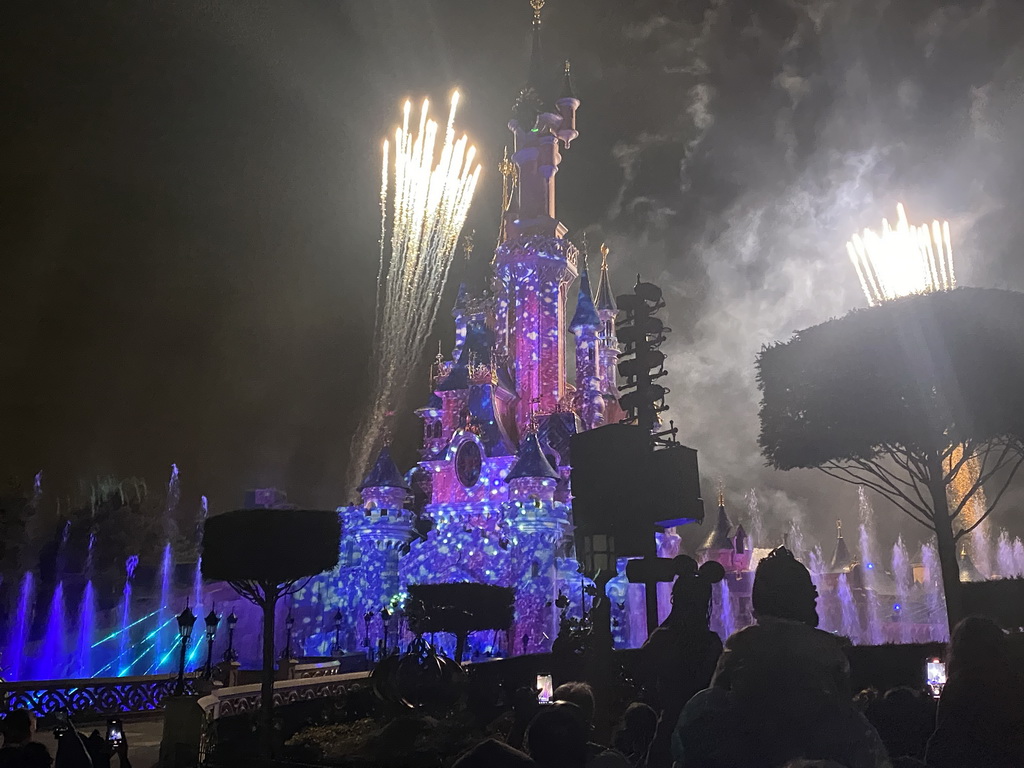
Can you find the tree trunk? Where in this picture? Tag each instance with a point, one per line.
(946, 546)
(267, 682)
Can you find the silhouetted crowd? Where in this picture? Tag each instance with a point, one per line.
(74, 749)
(777, 695)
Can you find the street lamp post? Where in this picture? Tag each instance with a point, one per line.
(338, 619)
(231, 654)
(186, 620)
(212, 620)
(289, 624)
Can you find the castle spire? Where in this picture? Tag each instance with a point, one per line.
(536, 73)
(384, 473)
(605, 300)
(586, 315)
(531, 461)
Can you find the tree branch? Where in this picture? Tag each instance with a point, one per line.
(983, 477)
(874, 469)
(967, 452)
(847, 475)
(994, 502)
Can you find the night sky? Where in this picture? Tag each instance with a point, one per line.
(188, 207)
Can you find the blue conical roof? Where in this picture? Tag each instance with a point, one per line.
(605, 298)
(531, 461)
(586, 314)
(384, 473)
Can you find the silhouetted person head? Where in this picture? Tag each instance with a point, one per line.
(783, 589)
(691, 592)
(580, 694)
(557, 737)
(976, 643)
(18, 727)
(636, 733)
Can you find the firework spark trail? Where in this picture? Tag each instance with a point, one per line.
(903, 261)
(913, 259)
(424, 203)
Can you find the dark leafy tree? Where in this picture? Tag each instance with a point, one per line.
(459, 608)
(898, 398)
(265, 554)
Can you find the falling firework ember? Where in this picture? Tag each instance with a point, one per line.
(903, 261)
(423, 203)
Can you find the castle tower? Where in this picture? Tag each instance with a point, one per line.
(535, 264)
(539, 525)
(375, 534)
(586, 324)
(841, 560)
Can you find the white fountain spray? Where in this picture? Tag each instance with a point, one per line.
(934, 597)
(901, 573)
(424, 205)
(870, 568)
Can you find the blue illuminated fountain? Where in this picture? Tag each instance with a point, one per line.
(60, 628)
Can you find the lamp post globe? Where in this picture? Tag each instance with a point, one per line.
(211, 620)
(230, 654)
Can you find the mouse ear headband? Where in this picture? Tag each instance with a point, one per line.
(712, 572)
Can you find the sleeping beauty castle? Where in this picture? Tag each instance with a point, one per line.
(489, 500)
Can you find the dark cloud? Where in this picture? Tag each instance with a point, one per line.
(188, 209)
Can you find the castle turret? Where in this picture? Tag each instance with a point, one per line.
(532, 476)
(841, 560)
(539, 525)
(384, 486)
(375, 536)
(585, 324)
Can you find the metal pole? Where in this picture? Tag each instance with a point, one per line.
(180, 688)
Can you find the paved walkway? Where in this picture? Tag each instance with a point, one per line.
(143, 739)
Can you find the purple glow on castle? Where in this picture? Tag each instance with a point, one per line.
(490, 495)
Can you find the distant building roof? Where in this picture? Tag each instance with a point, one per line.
(841, 560)
(968, 571)
(531, 461)
(384, 473)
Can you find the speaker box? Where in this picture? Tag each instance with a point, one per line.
(623, 488)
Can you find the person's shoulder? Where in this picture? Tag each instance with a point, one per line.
(37, 754)
(744, 636)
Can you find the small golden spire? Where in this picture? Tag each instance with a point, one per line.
(536, 5)
(505, 166)
(604, 255)
(839, 529)
(721, 498)
(467, 244)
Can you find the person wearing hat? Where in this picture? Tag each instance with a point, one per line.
(679, 657)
